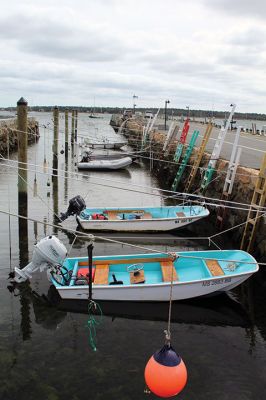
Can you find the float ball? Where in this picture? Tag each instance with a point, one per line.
(165, 373)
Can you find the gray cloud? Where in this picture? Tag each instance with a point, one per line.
(52, 38)
(61, 53)
(253, 38)
(245, 8)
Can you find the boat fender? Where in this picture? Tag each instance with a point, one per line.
(115, 281)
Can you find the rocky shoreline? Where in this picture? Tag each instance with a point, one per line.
(9, 134)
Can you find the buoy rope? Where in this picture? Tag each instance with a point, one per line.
(92, 323)
(168, 331)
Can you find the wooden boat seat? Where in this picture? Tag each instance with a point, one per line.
(180, 214)
(147, 215)
(101, 274)
(139, 278)
(112, 215)
(168, 270)
(214, 267)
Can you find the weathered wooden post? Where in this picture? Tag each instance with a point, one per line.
(76, 126)
(22, 131)
(55, 143)
(66, 134)
(72, 127)
(55, 165)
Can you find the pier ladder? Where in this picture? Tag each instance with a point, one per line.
(172, 132)
(182, 141)
(229, 179)
(198, 158)
(147, 129)
(216, 153)
(258, 200)
(185, 159)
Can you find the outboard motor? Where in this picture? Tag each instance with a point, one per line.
(48, 252)
(76, 205)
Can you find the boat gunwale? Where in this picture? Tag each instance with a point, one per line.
(167, 254)
(143, 285)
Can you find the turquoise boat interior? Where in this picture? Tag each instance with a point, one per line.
(145, 212)
(159, 268)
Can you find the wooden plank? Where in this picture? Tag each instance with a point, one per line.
(101, 274)
(168, 271)
(137, 278)
(146, 215)
(180, 214)
(127, 261)
(112, 215)
(132, 210)
(214, 267)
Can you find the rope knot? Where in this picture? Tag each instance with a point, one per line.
(173, 256)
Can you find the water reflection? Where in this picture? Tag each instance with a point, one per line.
(216, 311)
(23, 229)
(50, 310)
(116, 173)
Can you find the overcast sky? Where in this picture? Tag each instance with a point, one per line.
(198, 53)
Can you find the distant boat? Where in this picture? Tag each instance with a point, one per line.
(94, 116)
(104, 164)
(105, 144)
(135, 219)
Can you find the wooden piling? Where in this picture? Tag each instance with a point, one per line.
(55, 142)
(76, 126)
(66, 134)
(55, 166)
(22, 128)
(73, 127)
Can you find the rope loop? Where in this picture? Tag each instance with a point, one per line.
(173, 255)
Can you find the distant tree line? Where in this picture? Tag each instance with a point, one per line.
(175, 112)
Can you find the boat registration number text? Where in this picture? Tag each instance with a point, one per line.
(216, 282)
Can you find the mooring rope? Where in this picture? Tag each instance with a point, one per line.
(92, 323)
(174, 195)
(167, 161)
(90, 236)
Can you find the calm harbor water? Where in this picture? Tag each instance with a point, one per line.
(45, 351)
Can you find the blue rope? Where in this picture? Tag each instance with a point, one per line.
(92, 323)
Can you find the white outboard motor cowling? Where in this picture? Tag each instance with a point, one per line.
(48, 252)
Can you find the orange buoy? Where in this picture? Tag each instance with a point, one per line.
(165, 372)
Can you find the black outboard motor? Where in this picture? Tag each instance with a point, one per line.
(76, 205)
